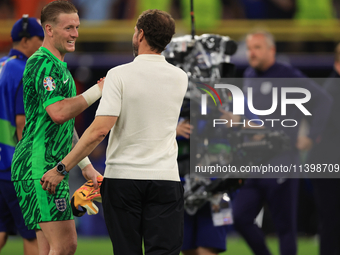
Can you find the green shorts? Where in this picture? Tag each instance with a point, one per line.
(37, 205)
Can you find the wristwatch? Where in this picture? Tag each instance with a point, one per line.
(61, 168)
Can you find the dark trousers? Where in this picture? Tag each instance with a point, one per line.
(281, 197)
(143, 210)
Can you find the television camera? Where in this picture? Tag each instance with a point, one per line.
(207, 59)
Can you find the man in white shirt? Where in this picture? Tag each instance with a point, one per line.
(142, 194)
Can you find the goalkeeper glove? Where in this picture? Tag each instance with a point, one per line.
(84, 197)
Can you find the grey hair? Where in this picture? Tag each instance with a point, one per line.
(269, 37)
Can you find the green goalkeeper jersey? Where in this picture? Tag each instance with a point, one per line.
(44, 143)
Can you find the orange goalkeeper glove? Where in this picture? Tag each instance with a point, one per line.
(84, 197)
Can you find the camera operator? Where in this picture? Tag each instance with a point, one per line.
(201, 236)
(281, 193)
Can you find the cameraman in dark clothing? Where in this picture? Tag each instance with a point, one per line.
(280, 194)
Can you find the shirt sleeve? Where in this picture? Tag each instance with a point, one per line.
(19, 100)
(49, 87)
(111, 102)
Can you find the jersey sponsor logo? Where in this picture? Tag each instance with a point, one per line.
(61, 204)
(49, 83)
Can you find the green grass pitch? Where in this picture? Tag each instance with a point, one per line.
(102, 246)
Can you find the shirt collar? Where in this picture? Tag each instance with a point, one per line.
(50, 53)
(269, 70)
(19, 54)
(150, 57)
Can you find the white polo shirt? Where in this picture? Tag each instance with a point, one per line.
(147, 96)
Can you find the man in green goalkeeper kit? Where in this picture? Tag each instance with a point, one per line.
(51, 105)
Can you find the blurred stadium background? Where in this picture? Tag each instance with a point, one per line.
(306, 33)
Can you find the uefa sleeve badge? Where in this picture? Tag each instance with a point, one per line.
(49, 83)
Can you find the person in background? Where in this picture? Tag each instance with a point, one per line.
(279, 193)
(201, 235)
(27, 36)
(51, 105)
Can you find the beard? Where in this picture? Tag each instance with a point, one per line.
(135, 49)
(256, 64)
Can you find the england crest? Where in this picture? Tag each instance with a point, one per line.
(61, 204)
